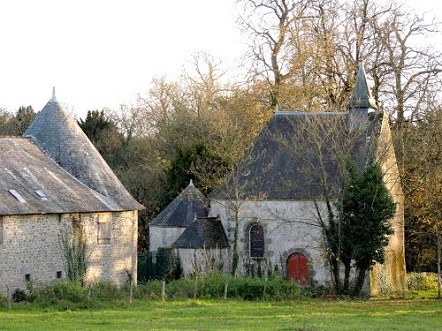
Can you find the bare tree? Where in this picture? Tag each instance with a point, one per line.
(423, 178)
(270, 24)
(309, 52)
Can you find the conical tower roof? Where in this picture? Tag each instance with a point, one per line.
(58, 134)
(184, 209)
(361, 96)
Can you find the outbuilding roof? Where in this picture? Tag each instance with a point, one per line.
(58, 134)
(206, 232)
(184, 209)
(32, 183)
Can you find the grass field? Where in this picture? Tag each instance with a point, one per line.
(233, 315)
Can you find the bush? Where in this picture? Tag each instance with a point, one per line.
(19, 295)
(107, 291)
(247, 288)
(71, 295)
(51, 294)
(149, 291)
(3, 301)
(422, 281)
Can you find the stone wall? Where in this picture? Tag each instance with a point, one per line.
(392, 275)
(289, 227)
(204, 261)
(163, 236)
(31, 250)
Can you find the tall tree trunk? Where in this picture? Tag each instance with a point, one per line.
(359, 280)
(235, 257)
(347, 266)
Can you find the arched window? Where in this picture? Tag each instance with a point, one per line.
(256, 241)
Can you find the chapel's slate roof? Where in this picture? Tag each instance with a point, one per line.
(206, 232)
(44, 186)
(293, 158)
(58, 134)
(184, 209)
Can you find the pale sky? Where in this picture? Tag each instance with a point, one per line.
(100, 53)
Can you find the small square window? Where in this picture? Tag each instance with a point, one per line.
(28, 277)
(59, 274)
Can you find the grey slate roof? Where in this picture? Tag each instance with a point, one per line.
(57, 133)
(41, 183)
(184, 209)
(206, 232)
(284, 163)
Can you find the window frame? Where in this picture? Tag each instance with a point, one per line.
(256, 244)
(104, 229)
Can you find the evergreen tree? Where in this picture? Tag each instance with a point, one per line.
(365, 209)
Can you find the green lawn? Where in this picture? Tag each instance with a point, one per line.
(234, 315)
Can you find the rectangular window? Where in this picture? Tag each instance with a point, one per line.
(104, 232)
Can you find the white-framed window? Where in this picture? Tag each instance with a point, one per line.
(256, 241)
(104, 228)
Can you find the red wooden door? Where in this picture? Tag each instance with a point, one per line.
(297, 269)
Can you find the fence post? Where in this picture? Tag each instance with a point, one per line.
(226, 285)
(163, 291)
(8, 293)
(131, 294)
(195, 290)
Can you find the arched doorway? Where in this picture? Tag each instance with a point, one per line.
(297, 268)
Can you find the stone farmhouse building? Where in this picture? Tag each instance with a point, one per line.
(52, 180)
(277, 193)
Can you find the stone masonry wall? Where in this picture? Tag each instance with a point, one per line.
(31, 248)
(289, 227)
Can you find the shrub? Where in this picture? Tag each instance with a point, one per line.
(71, 295)
(422, 281)
(106, 291)
(149, 291)
(246, 288)
(19, 295)
(51, 294)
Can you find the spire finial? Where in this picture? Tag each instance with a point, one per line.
(54, 98)
(191, 183)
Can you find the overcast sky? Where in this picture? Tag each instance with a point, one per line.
(100, 53)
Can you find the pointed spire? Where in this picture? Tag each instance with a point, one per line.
(190, 183)
(54, 98)
(361, 96)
